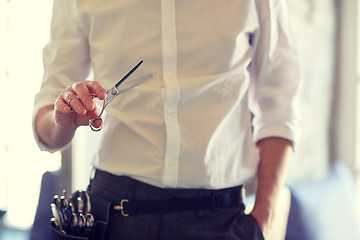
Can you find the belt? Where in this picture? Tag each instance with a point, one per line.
(214, 201)
(122, 195)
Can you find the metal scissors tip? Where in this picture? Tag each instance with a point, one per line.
(129, 73)
(114, 91)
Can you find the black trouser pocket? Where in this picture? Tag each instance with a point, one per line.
(248, 228)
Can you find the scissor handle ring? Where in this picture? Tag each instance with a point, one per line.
(98, 117)
(94, 128)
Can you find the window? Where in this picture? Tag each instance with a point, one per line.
(348, 127)
(357, 27)
(24, 30)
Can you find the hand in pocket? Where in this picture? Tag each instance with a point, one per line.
(248, 228)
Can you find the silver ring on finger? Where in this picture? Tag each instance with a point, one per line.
(68, 102)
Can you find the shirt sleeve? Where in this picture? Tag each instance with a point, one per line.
(275, 74)
(66, 56)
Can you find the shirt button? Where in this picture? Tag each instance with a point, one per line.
(167, 29)
(171, 111)
(171, 163)
(169, 75)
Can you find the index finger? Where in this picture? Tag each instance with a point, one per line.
(85, 90)
(96, 88)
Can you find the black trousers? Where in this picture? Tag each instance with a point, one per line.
(222, 224)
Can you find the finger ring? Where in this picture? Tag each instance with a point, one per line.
(72, 99)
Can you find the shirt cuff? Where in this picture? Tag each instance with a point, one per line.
(281, 131)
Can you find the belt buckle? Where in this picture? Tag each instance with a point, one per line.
(215, 200)
(121, 207)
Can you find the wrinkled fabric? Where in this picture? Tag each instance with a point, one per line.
(214, 65)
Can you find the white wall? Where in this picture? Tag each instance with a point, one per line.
(314, 26)
(346, 144)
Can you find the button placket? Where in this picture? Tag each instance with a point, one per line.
(169, 54)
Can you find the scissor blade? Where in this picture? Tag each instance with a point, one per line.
(133, 83)
(112, 93)
(128, 74)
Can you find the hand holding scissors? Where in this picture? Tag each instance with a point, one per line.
(75, 106)
(116, 90)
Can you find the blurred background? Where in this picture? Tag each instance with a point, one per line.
(324, 178)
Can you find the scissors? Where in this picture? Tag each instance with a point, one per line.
(116, 90)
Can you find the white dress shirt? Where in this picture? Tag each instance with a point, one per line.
(214, 63)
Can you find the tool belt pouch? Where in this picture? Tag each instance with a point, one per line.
(57, 235)
(100, 208)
